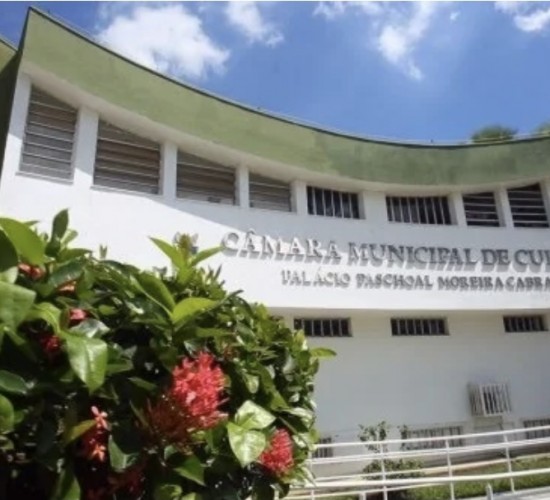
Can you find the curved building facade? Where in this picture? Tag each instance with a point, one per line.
(424, 267)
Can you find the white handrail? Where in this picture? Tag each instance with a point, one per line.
(364, 483)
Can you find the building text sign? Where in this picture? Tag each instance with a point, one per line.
(453, 261)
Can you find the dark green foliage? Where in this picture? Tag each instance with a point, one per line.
(139, 325)
(493, 133)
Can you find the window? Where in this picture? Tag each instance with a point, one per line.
(49, 136)
(269, 193)
(418, 326)
(126, 161)
(419, 209)
(539, 422)
(200, 179)
(324, 452)
(481, 209)
(489, 400)
(524, 323)
(331, 203)
(324, 327)
(433, 432)
(527, 206)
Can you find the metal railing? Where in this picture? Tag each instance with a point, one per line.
(433, 461)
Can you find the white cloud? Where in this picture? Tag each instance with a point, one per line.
(453, 16)
(164, 37)
(530, 17)
(396, 30)
(247, 18)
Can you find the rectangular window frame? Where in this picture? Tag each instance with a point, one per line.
(419, 327)
(333, 203)
(423, 210)
(324, 326)
(525, 323)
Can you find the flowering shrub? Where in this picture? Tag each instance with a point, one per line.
(118, 383)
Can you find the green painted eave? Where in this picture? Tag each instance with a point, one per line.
(8, 73)
(78, 60)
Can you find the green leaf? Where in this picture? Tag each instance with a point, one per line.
(167, 491)
(67, 487)
(172, 252)
(7, 415)
(88, 359)
(189, 307)
(60, 224)
(15, 302)
(8, 259)
(251, 416)
(155, 289)
(252, 382)
(27, 243)
(90, 327)
(191, 469)
(322, 352)
(72, 433)
(246, 445)
(204, 254)
(307, 416)
(46, 312)
(120, 457)
(66, 273)
(12, 383)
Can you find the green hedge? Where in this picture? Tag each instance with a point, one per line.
(120, 383)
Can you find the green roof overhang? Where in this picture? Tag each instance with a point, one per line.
(81, 62)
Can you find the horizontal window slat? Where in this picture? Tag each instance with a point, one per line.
(128, 161)
(48, 152)
(120, 170)
(130, 150)
(47, 130)
(210, 197)
(127, 184)
(30, 167)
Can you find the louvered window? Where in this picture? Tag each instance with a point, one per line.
(126, 161)
(481, 209)
(269, 193)
(433, 432)
(534, 323)
(527, 205)
(324, 452)
(200, 179)
(488, 400)
(324, 327)
(331, 203)
(418, 326)
(49, 137)
(419, 209)
(540, 433)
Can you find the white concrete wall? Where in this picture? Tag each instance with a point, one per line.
(422, 381)
(413, 381)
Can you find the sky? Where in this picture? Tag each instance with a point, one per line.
(399, 70)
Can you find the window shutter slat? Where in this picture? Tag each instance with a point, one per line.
(126, 161)
(49, 136)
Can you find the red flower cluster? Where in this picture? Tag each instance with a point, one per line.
(51, 344)
(191, 403)
(278, 457)
(94, 440)
(33, 272)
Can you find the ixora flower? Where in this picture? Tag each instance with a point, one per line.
(76, 316)
(277, 458)
(94, 440)
(191, 403)
(33, 272)
(51, 344)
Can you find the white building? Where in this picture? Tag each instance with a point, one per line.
(424, 267)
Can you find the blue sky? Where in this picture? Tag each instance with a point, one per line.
(404, 70)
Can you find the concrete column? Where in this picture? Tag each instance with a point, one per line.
(299, 197)
(84, 148)
(503, 205)
(16, 130)
(373, 207)
(545, 188)
(243, 187)
(457, 204)
(169, 166)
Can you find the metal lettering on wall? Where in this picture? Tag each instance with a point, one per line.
(451, 260)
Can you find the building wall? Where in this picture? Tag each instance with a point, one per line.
(418, 381)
